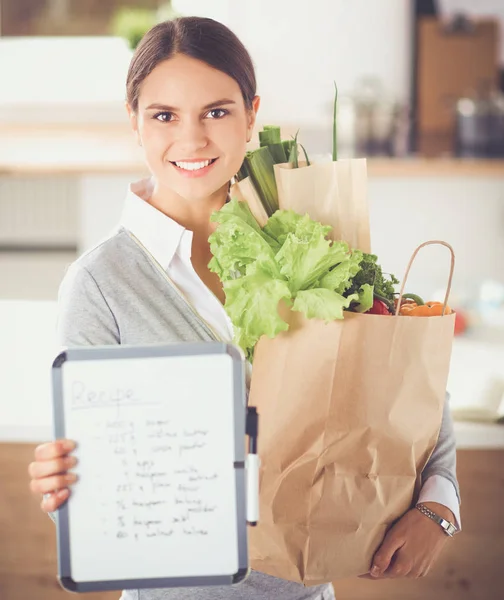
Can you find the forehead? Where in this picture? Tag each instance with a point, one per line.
(182, 81)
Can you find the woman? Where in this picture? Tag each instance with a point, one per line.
(191, 99)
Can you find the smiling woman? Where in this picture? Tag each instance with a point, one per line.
(193, 108)
(192, 103)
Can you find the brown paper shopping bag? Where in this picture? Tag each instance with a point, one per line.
(350, 412)
(333, 193)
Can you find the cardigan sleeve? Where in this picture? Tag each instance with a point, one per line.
(443, 460)
(84, 317)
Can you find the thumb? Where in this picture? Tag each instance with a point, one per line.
(384, 554)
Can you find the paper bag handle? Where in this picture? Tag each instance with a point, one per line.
(452, 267)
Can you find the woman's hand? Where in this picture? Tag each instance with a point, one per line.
(412, 545)
(49, 474)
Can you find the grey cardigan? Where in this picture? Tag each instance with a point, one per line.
(116, 294)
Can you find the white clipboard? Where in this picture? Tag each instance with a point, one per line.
(161, 499)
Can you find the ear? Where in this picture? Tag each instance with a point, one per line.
(134, 122)
(256, 102)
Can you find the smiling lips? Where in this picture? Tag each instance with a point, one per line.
(194, 168)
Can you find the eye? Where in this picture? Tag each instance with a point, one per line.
(164, 117)
(218, 113)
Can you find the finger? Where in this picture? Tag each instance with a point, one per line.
(55, 449)
(55, 466)
(49, 484)
(384, 554)
(399, 568)
(414, 574)
(53, 500)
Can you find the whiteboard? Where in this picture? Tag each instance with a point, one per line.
(160, 497)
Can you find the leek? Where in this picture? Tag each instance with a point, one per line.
(269, 135)
(243, 173)
(260, 166)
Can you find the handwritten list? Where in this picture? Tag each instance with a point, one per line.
(156, 490)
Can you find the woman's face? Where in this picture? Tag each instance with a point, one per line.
(193, 126)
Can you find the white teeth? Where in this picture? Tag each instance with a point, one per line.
(193, 166)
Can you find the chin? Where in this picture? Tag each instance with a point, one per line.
(198, 190)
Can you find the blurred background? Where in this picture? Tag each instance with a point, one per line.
(421, 95)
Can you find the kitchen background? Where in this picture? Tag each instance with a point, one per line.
(421, 95)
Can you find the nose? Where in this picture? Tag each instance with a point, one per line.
(192, 136)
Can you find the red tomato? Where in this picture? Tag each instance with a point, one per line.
(378, 308)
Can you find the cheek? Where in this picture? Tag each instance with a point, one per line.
(154, 139)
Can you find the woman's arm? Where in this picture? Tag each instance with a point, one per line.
(439, 478)
(413, 544)
(84, 316)
(443, 460)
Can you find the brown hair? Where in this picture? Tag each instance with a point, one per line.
(200, 38)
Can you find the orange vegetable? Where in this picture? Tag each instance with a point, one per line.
(407, 308)
(429, 309)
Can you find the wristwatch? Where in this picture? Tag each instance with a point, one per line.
(446, 526)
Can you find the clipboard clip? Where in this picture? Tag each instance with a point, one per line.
(252, 466)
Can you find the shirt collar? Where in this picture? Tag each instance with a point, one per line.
(160, 234)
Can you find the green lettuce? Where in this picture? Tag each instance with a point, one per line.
(321, 303)
(252, 305)
(238, 241)
(365, 298)
(290, 260)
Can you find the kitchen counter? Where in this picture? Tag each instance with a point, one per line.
(111, 149)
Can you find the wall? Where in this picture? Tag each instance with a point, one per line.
(298, 58)
(466, 212)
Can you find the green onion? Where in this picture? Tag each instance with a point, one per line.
(293, 158)
(335, 145)
(306, 155)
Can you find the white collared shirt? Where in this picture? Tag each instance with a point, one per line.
(170, 244)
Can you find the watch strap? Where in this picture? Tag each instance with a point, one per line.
(448, 527)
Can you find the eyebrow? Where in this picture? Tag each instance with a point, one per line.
(207, 107)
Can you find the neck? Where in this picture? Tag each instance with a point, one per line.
(194, 215)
